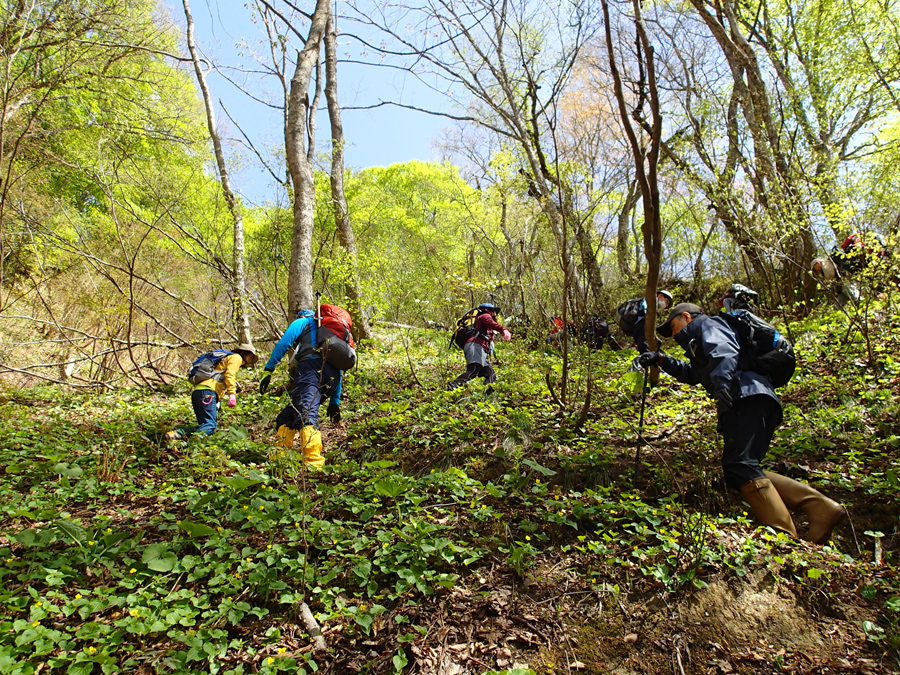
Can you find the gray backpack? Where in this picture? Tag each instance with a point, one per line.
(204, 367)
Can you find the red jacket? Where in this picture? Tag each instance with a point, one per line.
(486, 327)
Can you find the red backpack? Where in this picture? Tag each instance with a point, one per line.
(335, 341)
(338, 321)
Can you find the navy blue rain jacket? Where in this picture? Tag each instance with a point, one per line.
(712, 348)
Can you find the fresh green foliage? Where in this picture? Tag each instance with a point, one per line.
(115, 546)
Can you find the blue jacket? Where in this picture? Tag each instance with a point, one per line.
(302, 333)
(712, 349)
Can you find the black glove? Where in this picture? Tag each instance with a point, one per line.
(334, 412)
(723, 400)
(264, 383)
(648, 359)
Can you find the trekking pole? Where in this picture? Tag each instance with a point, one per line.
(318, 309)
(640, 438)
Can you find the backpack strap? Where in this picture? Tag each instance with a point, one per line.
(313, 334)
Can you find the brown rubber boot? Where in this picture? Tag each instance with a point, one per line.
(767, 505)
(824, 514)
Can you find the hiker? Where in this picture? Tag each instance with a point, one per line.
(748, 413)
(314, 382)
(631, 314)
(858, 250)
(738, 297)
(207, 393)
(595, 332)
(847, 260)
(558, 329)
(478, 347)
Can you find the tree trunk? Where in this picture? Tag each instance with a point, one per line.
(238, 280)
(622, 252)
(338, 197)
(298, 150)
(775, 183)
(646, 159)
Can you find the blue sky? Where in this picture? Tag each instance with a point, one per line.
(378, 137)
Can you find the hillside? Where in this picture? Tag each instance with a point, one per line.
(452, 532)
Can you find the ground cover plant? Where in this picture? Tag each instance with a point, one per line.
(458, 532)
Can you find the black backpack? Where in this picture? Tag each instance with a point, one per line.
(595, 331)
(628, 314)
(204, 367)
(763, 349)
(465, 330)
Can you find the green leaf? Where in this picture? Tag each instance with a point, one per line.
(364, 620)
(238, 433)
(635, 380)
(68, 470)
(362, 570)
(389, 488)
(893, 604)
(400, 661)
(380, 464)
(239, 483)
(81, 668)
(71, 529)
(206, 499)
(814, 573)
(114, 538)
(537, 467)
(196, 529)
(158, 557)
(872, 630)
(26, 537)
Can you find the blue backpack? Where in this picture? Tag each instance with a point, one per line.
(204, 367)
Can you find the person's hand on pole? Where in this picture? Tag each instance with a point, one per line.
(648, 359)
(232, 400)
(507, 335)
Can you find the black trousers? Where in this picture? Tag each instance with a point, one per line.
(474, 370)
(747, 429)
(640, 340)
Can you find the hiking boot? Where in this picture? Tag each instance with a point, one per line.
(767, 505)
(285, 437)
(824, 514)
(311, 442)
